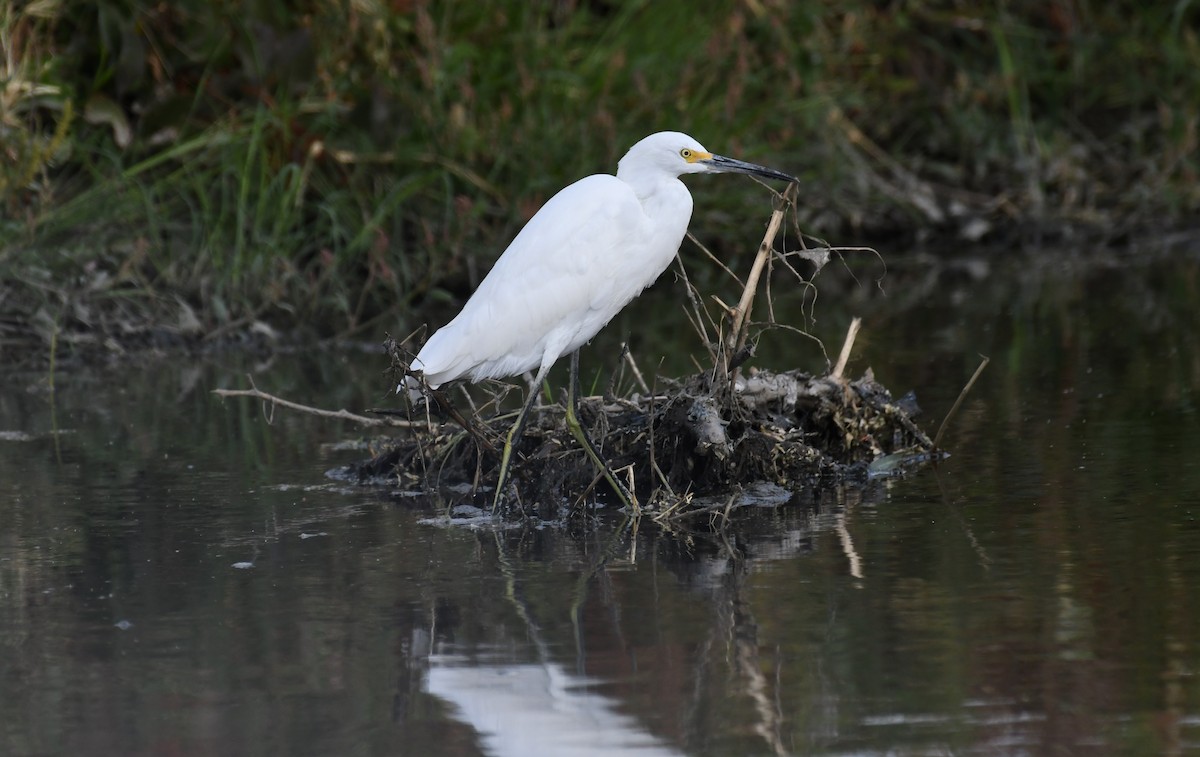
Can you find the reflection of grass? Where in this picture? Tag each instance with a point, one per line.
(333, 163)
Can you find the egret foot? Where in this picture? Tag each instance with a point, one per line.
(627, 498)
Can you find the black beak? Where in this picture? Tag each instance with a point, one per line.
(722, 164)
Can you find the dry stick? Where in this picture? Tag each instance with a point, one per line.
(468, 425)
(665, 515)
(697, 321)
(847, 347)
(728, 508)
(741, 316)
(961, 396)
(587, 490)
(653, 462)
(633, 366)
(470, 401)
(340, 414)
(715, 259)
(729, 311)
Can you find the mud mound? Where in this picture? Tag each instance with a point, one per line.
(700, 437)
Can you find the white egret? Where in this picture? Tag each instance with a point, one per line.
(591, 249)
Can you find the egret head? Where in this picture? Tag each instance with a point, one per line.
(676, 153)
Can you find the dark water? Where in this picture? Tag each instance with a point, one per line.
(177, 576)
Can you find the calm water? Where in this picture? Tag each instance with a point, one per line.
(178, 577)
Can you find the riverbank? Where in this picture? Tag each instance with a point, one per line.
(174, 173)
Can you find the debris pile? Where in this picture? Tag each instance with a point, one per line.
(700, 437)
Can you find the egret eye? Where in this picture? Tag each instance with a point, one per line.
(685, 153)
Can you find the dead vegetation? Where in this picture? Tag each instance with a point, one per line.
(703, 436)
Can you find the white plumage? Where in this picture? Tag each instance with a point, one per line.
(589, 251)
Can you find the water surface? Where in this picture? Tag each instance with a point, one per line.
(177, 575)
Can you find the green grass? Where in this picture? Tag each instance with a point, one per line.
(335, 164)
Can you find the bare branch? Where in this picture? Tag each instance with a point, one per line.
(344, 415)
(847, 348)
(937, 439)
(737, 334)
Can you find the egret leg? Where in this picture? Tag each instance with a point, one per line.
(626, 496)
(510, 442)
